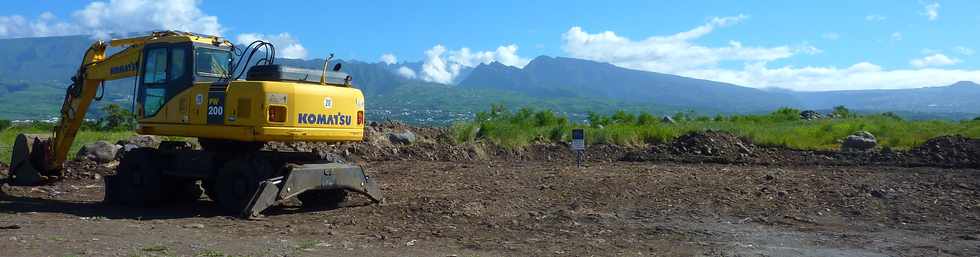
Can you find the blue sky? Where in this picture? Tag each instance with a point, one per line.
(816, 45)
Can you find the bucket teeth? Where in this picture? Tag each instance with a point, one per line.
(29, 157)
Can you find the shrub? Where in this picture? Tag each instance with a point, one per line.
(622, 117)
(646, 119)
(786, 114)
(842, 112)
(116, 118)
(4, 124)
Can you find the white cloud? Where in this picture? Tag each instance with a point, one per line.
(389, 59)
(931, 11)
(934, 60)
(406, 72)
(897, 36)
(875, 17)
(101, 18)
(286, 45)
(964, 50)
(682, 56)
(443, 66)
(830, 36)
(672, 53)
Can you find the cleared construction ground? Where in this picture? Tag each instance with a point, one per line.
(677, 199)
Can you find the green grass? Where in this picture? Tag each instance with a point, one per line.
(781, 128)
(7, 137)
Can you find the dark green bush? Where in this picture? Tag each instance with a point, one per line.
(646, 119)
(842, 112)
(116, 118)
(4, 124)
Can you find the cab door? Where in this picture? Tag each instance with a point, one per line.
(164, 76)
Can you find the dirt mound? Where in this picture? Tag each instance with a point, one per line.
(707, 146)
(953, 151)
(711, 143)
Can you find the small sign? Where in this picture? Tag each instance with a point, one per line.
(578, 139)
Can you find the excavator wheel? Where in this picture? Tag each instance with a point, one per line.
(138, 180)
(209, 189)
(238, 180)
(181, 190)
(316, 199)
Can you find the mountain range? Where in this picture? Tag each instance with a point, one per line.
(32, 68)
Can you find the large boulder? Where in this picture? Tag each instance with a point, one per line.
(141, 141)
(100, 151)
(859, 141)
(810, 115)
(405, 138)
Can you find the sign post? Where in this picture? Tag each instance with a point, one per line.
(578, 144)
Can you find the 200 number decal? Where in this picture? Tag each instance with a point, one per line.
(216, 110)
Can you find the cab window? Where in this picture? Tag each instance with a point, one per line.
(156, 66)
(211, 62)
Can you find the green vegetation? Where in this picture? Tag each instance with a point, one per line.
(84, 136)
(117, 124)
(783, 127)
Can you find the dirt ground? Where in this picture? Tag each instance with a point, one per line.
(705, 194)
(538, 208)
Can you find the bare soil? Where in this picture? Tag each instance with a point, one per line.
(678, 199)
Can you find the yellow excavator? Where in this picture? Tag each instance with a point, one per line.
(191, 85)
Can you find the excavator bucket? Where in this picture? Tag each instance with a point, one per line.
(28, 161)
(303, 178)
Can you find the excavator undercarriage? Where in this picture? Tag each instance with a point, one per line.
(241, 181)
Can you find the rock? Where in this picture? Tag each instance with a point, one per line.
(810, 115)
(194, 225)
(100, 151)
(125, 149)
(141, 141)
(859, 141)
(405, 138)
(970, 237)
(668, 120)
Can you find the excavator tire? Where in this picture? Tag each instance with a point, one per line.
(238, 180)
(209, 189)
(181, 190)
(318, 199)
(138, 180)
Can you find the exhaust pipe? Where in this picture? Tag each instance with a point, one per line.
(29, 160)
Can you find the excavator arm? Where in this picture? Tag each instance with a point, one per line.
(39, 158)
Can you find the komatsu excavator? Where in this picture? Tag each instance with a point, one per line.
(187, 86)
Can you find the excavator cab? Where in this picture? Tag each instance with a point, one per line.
(198, 86)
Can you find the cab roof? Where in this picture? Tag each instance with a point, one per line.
(171, 36)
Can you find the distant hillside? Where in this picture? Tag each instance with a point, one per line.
(563, 77)
(35, 71)
(961, 97)
(566, 77)
(41, 59)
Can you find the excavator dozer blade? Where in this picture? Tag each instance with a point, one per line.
(28, 159)
(302, 178)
